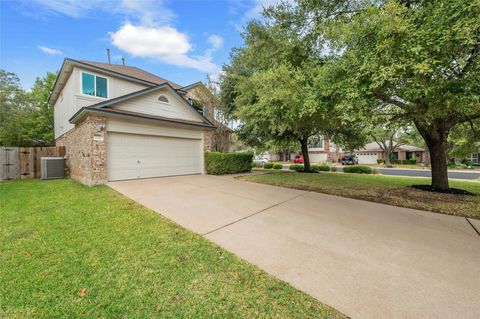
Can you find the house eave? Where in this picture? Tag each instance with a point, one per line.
(77, 117)
(71, 62)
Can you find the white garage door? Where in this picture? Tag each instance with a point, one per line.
(318, 157)
(367, 158)
(131, 156)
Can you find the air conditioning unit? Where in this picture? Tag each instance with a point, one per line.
(52, 167)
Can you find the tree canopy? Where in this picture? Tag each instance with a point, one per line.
(422, 58)
(26, 118)
(414, 61)
(273, 86)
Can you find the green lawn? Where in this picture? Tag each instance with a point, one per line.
(382, 189)
(70, 251)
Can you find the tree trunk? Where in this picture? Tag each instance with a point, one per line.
(435, 136)
(438, 158)
(306, 158)
(387, 157)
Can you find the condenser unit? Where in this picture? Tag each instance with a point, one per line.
(52, 167)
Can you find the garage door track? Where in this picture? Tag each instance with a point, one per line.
(365, 259)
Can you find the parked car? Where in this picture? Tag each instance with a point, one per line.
(260, 160)
(298, 159)
(349, 160)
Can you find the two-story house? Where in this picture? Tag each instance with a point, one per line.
(321, 150)
(119, 122)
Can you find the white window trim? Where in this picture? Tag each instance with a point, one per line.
(94, 85)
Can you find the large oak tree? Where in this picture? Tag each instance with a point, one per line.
(412, 60)
(273, 87)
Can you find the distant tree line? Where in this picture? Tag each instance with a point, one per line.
(26, 118)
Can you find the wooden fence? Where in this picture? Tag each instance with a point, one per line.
(24, 162)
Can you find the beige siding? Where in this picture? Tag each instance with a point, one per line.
(65, 106)
(148, 104)
(122, 87)
(115, 125)
(73, 100)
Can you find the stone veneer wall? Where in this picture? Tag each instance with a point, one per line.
(208, 140)
(86, 150)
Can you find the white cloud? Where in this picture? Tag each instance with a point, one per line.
(216, 41)
(49, 51)
(72, 8)
(148, 34)
(147, 12)
(164, 43)
(146, 41)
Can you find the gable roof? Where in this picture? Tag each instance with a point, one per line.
(133, 72)
(139, 116)
(191, 86)
(129, 73)
(373, 147)
(102, 107)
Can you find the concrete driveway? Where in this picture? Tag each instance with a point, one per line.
(367, 260)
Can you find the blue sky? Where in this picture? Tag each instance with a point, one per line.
(182, 41)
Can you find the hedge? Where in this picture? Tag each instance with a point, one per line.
(268, 165)
(321, 168)
(404, 161)
(358, 169)
(296, 167)
(217, 163)
(277, 166)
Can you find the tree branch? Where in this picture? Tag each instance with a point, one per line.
(388, 99)
(473, 55)
(468, 118)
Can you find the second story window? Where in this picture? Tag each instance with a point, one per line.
(94, 85)
(316, 142)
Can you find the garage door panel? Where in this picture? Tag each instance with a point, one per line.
(133, 156)
(367, 158)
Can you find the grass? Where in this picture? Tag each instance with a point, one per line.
(70, 251)
(382, 189)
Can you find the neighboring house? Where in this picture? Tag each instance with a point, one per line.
(474, 158)
(119, 122)
(322, 150)
(372, 152)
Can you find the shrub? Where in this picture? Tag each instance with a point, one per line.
(412, 161)
(452, 165)
(321, 168)
(277, 166)
(379, 161)
(217, 163)
(268, 165)
(296, 167)
(358, 169)
(395, 161)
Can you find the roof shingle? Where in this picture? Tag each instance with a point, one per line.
(133, 72)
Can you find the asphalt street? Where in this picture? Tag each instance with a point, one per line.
(424, 173)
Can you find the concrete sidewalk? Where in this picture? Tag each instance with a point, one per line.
(365, 259)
